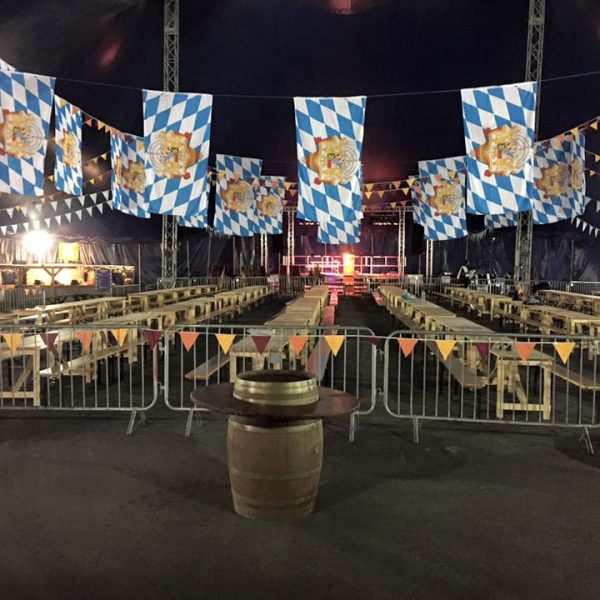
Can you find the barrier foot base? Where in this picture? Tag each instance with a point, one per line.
(416, 430)
(353, 426)
(131, 426)
(190, 420)
(587, 440)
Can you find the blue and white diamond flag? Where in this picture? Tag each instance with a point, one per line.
(68, 174)
(236, 195)
(439, 201)
(128, 182)
(269, 206)
(339, 232)
(558, 190)
(329, 137)
(499, 221)
(177, 139)
(4, 66)
(196, 222)
(499, 133)
(443, 166)
(26, 105)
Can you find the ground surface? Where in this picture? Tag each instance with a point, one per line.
(474, 512)
(90, 513)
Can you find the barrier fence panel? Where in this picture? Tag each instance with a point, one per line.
(20, 298)
(549, 381)
(77, 368)
(199, 355)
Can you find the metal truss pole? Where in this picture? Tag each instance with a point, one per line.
(533, 72)
(401, 241)
(171, 84)
(428, 259)
(291, 239)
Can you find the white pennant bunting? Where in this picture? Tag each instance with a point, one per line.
(14, 228)
(68, 217)
(3, 229)
(26, 226)
(68, 202)
(90, 210)
(48, 221)
(10, 212)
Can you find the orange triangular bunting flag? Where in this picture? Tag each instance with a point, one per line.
(120, 335)
(564, 350)
(445, 347)
(297, 342)
(368, 195)
(225, 340)
(524, 349)
(407, 345)
(85, 337)
(188, 338)
(335, 342)
(13, 340)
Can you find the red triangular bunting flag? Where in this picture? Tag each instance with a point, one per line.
(407, 345)
(483, 348)
(85, 337)
(153, 336)
(297, 342)
(374, 340)
(524, 349)
(188, 338)
(261, 342)
(49, 339)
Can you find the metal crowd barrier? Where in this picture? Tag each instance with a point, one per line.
(484, 380)
(354, 369)
(78, 368)
(20, 298)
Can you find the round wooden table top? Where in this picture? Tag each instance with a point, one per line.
(219, 398)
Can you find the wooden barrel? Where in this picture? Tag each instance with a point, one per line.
(277, 388)
(274, 468)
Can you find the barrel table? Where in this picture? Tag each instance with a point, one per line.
(274, 438)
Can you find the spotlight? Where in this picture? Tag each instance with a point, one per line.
(38, 243)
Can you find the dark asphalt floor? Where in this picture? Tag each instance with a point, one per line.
(90, 513)
(470, 513)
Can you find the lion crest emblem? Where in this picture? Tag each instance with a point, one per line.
(70, 149)
(447, 198)
(21, 134)
(576, 174)
(505, 150)
(335, 160)
(269, 205)
(171, 155)
(238, 196)
(554, 180)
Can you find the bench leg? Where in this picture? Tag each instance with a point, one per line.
(190, 421)
(416, 430)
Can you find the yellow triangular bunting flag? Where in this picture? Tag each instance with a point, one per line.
(596, 157)
(13, 340)
(594, 125)
(564, 350)
(120, 335)
(445, 347)
(225, 340)
(368, 195)
(410, 181)
(368, 186)
(335, 342)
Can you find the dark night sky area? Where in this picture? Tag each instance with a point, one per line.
(300, 47)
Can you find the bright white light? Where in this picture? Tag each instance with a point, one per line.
(38, 243)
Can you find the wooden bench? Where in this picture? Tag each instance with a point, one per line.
(85, 365)
(317, 361)
(576, 378)
(204, 371)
